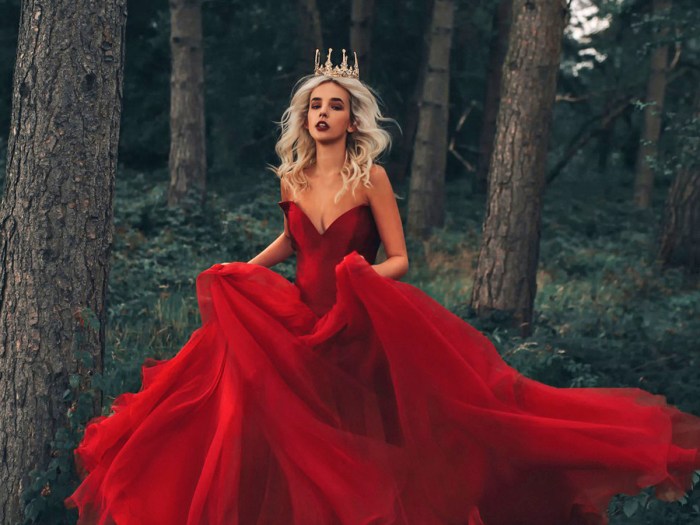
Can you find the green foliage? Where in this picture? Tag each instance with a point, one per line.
(152, 306)
(606, 315)
(251, 62)
(43, 497)
(157, 255)
(644, 509)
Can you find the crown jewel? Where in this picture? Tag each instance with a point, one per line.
(338, 71)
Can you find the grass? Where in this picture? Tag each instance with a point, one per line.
(605, 313)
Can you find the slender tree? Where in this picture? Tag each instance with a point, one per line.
(55, 221)
(188, 159)
(680, 231)
(310, 35)
(653, 112)
(427, 185)
(361, 33)
(680, 241)
(505, 276)
(497, 54)
(413, 104)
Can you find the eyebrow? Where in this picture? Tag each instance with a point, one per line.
(333, 99)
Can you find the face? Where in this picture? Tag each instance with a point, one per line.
(328, 119)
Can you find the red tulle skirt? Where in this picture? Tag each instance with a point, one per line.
(386, 410)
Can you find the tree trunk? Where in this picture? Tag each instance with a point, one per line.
(497, 55)
(361, 33)
(680, 237)
(505, 278)
(427, 185)
(188, 159)
(653, 112)
(680, 241)
(55, 222)
(310, 36)
(412, 108)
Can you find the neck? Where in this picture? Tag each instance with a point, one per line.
(330, 158)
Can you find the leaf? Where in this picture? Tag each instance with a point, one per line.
(33, 509)
(74, 380)
(630, 507)
(85, 358)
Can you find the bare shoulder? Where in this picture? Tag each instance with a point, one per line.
(381, 185)
(377, 173)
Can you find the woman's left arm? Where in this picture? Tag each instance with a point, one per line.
(386, 215)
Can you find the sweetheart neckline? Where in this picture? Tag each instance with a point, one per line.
(320, 234)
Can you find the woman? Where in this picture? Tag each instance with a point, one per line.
(352, 398)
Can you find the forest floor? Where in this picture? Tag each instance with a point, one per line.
(606, 314)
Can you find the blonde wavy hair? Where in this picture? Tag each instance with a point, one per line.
(296, 147)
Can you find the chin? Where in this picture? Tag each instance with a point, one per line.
(328, 140)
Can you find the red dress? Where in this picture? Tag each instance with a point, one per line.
(348, 398)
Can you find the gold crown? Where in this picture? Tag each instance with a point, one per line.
(338, 71)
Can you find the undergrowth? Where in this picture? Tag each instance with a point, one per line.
(606, 315)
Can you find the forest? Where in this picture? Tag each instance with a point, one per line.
(547, 168)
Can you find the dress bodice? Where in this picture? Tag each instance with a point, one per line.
(319, 253)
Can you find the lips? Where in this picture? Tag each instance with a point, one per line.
(322, 125)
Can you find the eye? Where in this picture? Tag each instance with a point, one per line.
(339, 108)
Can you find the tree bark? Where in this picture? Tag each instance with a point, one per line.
(653, 113)
(310, 36)
(55, 221)
(361, 33)
(680, 229)
(497, 55)
(412, 108)
(427, 185)
(188, 159)
(680, 240)
(505, 278)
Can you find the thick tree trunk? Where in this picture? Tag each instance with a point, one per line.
(310, 36)
(55, 221)
(188, 159)
(497, 55)
(361, 33)
(680, 231)
(505, 278)
(427, 185)
(653, 113)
